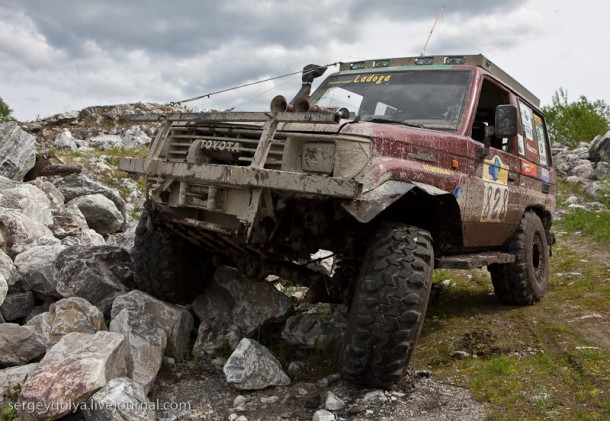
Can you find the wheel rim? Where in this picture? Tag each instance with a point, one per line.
(538, 259)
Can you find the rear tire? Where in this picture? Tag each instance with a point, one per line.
(389, 306)
(526, 280)
(167, 265)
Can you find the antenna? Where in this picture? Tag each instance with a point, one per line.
(423, 51)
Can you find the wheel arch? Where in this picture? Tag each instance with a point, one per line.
(417, 204)
(544, 214)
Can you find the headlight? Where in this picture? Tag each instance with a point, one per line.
(318, 157)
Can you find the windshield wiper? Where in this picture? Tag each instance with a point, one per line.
(387, 120)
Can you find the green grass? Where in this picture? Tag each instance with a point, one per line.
(595, 224)
(534, 362)
(112, 177)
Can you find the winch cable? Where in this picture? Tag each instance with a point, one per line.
(260, 94)
(176, 103)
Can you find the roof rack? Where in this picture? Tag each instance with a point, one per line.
(472, 60)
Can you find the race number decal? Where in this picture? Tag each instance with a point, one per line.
(495, 194)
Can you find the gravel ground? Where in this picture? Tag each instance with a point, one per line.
(205, 395)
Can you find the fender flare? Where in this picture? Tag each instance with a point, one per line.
(380, 198)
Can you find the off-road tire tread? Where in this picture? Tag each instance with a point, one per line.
(511, 281)
(389, 306)
(166, 265)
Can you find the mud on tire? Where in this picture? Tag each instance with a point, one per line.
(524, 281)
(167, 265)
(389, 305)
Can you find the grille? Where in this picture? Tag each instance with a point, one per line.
(225, 145)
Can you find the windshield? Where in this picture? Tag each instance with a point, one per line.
(427, 98)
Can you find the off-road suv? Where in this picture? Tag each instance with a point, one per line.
(397, 166)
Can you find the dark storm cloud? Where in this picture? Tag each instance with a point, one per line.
(190, 27)
(123, 51)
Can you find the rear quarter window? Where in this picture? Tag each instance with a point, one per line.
(532, 138)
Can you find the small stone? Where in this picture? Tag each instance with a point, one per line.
(252, 366)
(375, 395)
(333, 403)
(270, 399)
(239, 401)
(296, 367)
(459, 355)
(323, 415)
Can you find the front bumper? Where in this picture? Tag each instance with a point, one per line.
(245, 177)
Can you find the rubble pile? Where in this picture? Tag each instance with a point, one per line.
(75, 333)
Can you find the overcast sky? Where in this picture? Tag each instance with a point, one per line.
(64, 55)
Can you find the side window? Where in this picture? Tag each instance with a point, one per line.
(491, 96)
(541, 139)
(532, 139)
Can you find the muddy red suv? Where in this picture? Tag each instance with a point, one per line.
(397, 166)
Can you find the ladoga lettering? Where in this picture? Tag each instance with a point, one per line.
(376, 79)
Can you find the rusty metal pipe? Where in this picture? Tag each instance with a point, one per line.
(280, 105)
(302, 105)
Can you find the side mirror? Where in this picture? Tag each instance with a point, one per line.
(506, 121)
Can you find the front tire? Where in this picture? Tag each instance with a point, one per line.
(167, 265)
(389, 306)
(526, 280)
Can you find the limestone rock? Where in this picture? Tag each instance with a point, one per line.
(17, 151)
(17, 305)
(135, 137)
(252, 367)
(3, 289)
(213, 337)
(78, 185)
(8, 269)
(66, 141)
(19, 345)
(584, 170)
(146, 342)
(72, 371)
(177, 322)
(332, 402)
(323, 415)
(602, 170)
(121, 399)
(37, 269)
(55, 197)
(86, 237)
(232, 299)
(28, 201)
(42, 323)
(125, 239)
(12, 377)
(99, 274)
(312, 332)
(18, 233)
(72, 315)
(599, 149)
(105, 141)
(68, 220)
(101, 213)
